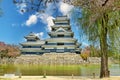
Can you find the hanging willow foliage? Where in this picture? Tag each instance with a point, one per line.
(98, 12)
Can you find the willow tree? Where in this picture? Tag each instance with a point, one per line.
(100, 21)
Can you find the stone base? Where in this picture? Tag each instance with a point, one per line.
(54, 59)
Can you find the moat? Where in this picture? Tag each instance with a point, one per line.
(58, 70)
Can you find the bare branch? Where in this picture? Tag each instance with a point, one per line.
(105, 3)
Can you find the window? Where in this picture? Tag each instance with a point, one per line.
(31, 40)
(60, 44)
(61, 23)
(60, 50)
(53, 29)
(68, 37)
(46, 42)
(69, 43)
(43, 48)
(31, 53)
(60, 35)
(69, 29)
(47, 50)
(35, 46)
(31, 46)
(51, 44)
(65, 49)
(53, 36)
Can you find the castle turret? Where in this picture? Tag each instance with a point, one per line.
(33, 45)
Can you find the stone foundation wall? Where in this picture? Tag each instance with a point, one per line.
(53, 58)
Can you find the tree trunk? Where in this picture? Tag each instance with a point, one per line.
(104, 72)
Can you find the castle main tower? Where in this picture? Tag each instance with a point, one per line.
(61, 37)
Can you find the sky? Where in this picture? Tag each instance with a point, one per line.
(14, 24)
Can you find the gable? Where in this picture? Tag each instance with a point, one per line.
(60, 30)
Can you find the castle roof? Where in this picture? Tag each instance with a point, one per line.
(32, 36)
(61, 19)
(37, 43)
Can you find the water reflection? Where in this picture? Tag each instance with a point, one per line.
(58, 70)
(115, 70)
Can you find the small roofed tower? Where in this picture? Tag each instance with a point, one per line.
(33, 45)
(61, 37)
(31, 37)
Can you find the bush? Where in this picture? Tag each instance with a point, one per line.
(84, 56)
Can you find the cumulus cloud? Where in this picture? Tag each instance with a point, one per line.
(40, 35)
(32, 20)
(43, 17)
(50, 22)
(50, 9)
(46, 19)
(47, 16)
(24, 40)
(65, 8)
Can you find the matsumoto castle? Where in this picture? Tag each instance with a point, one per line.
(61, 40)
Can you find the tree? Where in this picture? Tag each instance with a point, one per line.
(85, 53)
(94, 51)
(35, 5)
(8, 51)
(100, 21)
(3, 53)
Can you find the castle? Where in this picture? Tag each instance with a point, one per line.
(61, 40)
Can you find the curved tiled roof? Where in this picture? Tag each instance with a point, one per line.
(32, 36)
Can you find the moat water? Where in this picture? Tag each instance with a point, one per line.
(58, 70)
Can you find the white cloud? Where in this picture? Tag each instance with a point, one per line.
(46, 19)
(32, 20)
(50, 9)
(50, 22)
(24, 40)
(40, 35)
(43, 17)
(65, 8)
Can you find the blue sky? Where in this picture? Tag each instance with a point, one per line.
(14, 24)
